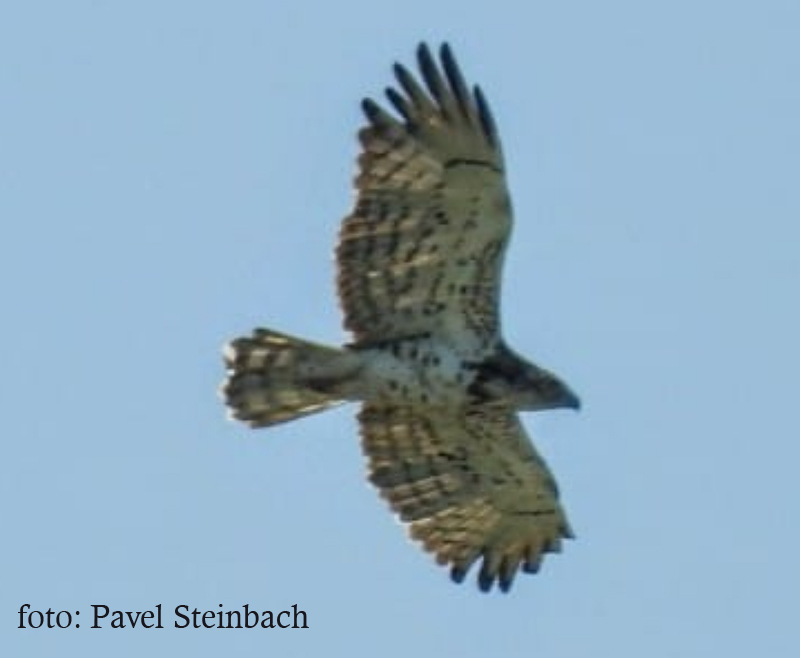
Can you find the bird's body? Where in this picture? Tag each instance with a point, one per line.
(417, 370)
(419, 265)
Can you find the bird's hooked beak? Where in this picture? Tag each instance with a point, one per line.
(571, 401)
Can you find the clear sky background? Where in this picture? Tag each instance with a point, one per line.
(172, 174)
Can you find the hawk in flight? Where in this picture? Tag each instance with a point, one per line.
(419, 266)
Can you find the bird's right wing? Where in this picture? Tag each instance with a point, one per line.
(469, 483)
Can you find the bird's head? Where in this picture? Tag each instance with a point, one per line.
(507, 376)
(543, 390)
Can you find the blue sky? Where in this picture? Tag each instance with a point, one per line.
(172, 174)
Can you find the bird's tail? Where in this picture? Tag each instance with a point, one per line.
(274, 378)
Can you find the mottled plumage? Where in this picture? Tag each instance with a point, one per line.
(419, 268)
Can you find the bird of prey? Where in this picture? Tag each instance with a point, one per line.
(419, 266)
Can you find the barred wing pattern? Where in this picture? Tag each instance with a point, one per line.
(423, 248)
(470, 484)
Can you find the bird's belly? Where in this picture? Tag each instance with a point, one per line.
(416, 373)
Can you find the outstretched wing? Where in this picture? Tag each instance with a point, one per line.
(422, 250)
(470, 484)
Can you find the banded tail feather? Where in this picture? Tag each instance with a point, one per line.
(274, 378)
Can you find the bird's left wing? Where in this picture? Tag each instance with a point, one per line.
(422, 250)
(469, 483)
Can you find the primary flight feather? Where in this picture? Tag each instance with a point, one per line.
(419, 268)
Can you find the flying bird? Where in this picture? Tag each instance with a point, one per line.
(419, 267)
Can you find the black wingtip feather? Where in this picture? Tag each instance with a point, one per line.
(531, 567)
(423, 51)
(371, 109)
(401, 73)
(407, 82)
(455, 77)
(457, 574)
(430, 73)
(399, 102)
(485, 577)
(485, 116)
(485, 582)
